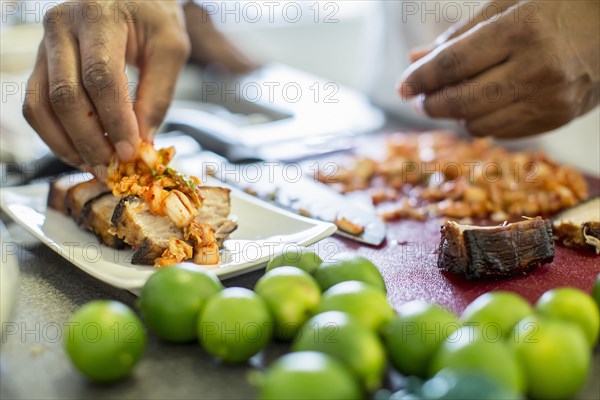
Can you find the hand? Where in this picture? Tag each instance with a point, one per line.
(78, 95)
(531, 68)
(209, 46)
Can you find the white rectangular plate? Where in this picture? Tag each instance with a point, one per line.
(263, 231)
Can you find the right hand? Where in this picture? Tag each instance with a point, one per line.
(78, 96)
(508, 77)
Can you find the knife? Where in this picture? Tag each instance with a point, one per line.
(289, 188)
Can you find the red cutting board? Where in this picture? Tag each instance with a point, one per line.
(408, 258)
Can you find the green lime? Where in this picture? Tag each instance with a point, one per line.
(296, 257)
(105, 340)
(234, 325)
(309, 375)
(467, 350)
(496, 312)
(348, 267)
(171, 300)
(367, 303)
(596, 290)
(572, 305)
(343, 337)
(292, 296)
(414, 336)
(554, 355)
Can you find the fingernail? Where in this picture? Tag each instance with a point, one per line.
(406, 89)
(125, 150)
(418, 106)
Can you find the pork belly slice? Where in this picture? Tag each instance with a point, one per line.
(495, 251)
(149, 234)
(96, 217)
(215, 212)
(80, 194)
(59, 188)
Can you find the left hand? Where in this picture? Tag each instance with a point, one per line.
(211, 47)
(532, 68)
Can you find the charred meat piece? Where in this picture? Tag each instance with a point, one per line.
(495, 251)
(60, 187)
(80, 194)
(147, 233)
(579, 226)
(426, 174)
(96, 217)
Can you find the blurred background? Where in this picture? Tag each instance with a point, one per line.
(341, 41)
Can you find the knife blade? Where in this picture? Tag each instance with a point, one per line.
(286, 186)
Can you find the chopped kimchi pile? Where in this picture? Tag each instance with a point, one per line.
(440, 175)
(167, 193)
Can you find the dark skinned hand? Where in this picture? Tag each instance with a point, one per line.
(79, 100)
(527, 68)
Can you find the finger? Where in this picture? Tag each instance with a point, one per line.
(69, 100)
(38, 113)
(475, 97)
(489, 11)
(526, 117)
(102, 47)
(459, 59)
(160, 66)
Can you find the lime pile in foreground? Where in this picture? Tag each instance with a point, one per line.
(344, 332)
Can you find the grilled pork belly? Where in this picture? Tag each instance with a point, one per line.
(60, 187)
(96, 217)
(579, 226)
(164, 215)
(215, 212)
(149, 234)
(94, 208)
(496, 251)
(89, 202)
(80, 194)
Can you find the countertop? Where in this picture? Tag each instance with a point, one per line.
(33, 363)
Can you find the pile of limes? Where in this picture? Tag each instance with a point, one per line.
(343, 332)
